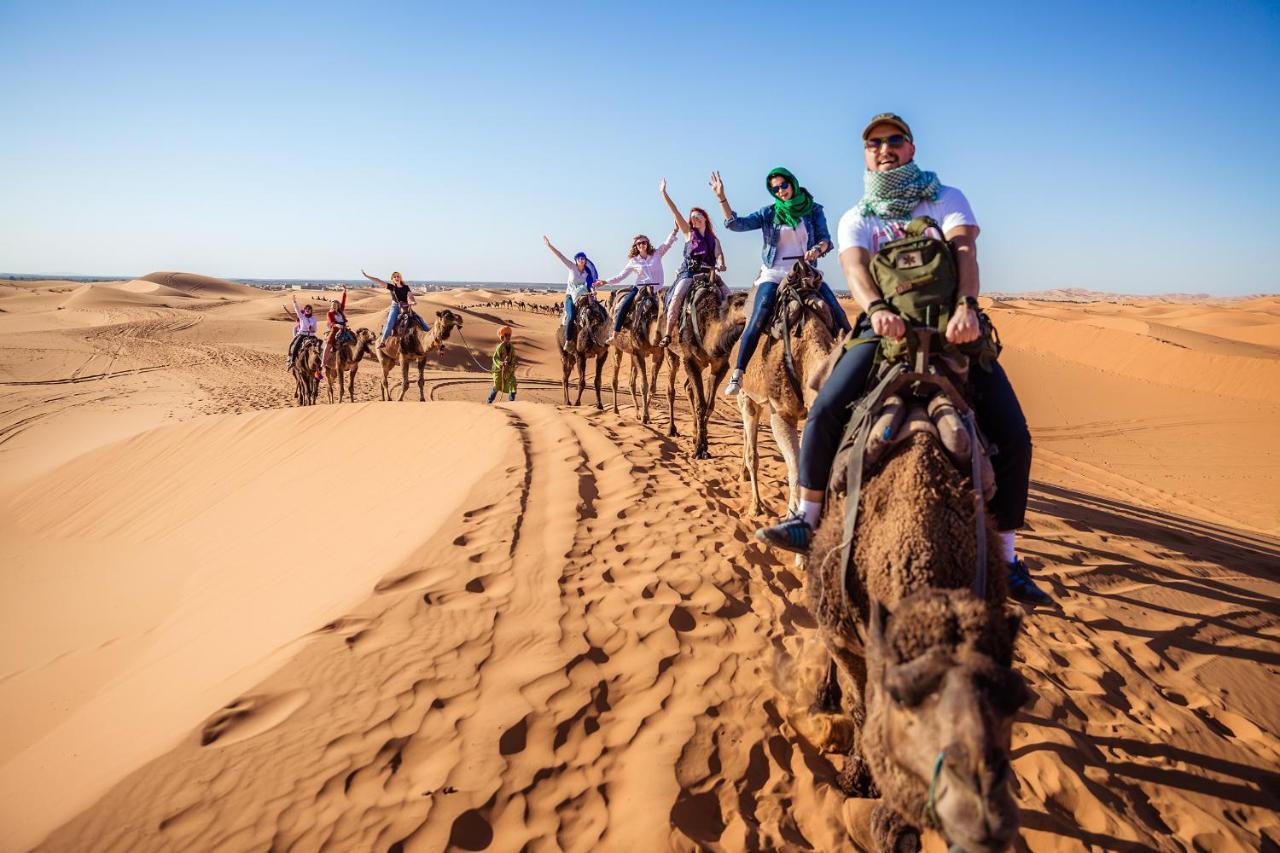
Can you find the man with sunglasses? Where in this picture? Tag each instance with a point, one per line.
(897, 191)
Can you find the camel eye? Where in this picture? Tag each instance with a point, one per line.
(910, 693)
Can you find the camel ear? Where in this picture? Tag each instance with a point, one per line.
(439, 313)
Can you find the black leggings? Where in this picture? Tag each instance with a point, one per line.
(999, 417)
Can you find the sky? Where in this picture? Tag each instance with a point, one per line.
(1128, 147)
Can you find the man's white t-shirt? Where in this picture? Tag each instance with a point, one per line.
(869, 232)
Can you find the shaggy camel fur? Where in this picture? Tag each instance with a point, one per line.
(937, 661)
(345, 358)
(704, 338)
(408, 345)
(638, 338)
(591, 329)
(767, 387)
(305, 366)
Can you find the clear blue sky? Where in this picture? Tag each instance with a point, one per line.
(1117, 146)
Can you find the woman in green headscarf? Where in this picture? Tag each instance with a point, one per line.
(794, 227)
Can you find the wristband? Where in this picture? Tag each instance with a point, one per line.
(877, 305)
(971, 302)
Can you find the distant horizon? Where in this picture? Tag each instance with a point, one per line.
(507, 285)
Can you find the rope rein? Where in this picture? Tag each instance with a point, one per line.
(929, 814)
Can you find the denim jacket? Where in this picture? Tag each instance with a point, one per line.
(815, 223)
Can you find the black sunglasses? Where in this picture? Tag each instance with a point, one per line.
(894, 141)
(777, 188)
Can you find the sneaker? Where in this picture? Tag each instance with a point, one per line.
(793, 533)
(665, 342)
(734, 386)
(1023, 588)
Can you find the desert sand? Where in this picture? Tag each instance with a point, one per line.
(229, 623)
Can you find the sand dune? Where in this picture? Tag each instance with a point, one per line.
(200, 285)
(530, 625)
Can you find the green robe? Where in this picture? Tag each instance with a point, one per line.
(504, 368)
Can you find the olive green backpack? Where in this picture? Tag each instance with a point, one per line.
(918, 277)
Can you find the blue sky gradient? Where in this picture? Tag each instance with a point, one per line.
(1127, 147)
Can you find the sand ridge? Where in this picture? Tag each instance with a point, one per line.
(580, 646)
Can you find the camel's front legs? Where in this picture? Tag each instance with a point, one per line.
(671, 397)
(422, 394)
(750, 452)
(582, 378)
(788, 440)
(404, 376)
(566, 369)
(351, 391)
(644, 384)
(697, 402)
(599, 371)
(617, 367)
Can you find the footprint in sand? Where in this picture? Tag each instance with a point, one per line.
(250, 716)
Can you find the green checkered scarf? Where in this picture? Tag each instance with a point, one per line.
(894, 194)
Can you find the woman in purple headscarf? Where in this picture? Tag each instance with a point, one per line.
(702, 252)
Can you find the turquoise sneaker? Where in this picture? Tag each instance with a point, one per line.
(1023, 588)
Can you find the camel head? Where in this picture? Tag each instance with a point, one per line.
(941, 699)
(448, 320)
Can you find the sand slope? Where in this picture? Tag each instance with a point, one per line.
(551, 628)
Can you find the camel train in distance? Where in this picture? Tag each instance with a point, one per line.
(908, 598)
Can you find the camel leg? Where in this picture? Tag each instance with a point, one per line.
(750, 451)
(717, 376)
(617, 367)
(671, 397)
(644, 385)
(828, 699)
(422, 394)
(404, 376)
(386, 373)
(788, 441)
(698, 402)
(599, 371)
(351, 391)
(635, 401)
(582, 377)
(566, 367)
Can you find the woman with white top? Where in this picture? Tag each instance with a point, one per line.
(646, 263)
(582, 278)
(794, 227)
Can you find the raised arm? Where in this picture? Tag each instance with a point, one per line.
(344, 297)
(373, 278)
(568, 263)
(626, 271)
(681, 224)
(296, 312)
(669, 242)
(717, 187)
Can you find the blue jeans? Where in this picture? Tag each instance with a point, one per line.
(569, 310)
(999, 417)
(623, 306)
(394, 315)
(762, 311)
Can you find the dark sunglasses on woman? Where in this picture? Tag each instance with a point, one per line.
(777, 188)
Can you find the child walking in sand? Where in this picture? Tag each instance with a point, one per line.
(504, 366)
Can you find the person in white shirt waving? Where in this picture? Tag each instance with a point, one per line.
(897, 191)
(646, 263)
(582, 278)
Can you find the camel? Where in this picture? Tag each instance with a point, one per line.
(704, 338)
(344, 357)
(407, 344)
(786, 393)
(936, 661)
(305, 365)
(591, 329)
(637, 338)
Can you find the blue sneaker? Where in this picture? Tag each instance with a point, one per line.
(1023, 588)
(790, 534)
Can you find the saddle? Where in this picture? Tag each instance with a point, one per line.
(644, 310)
(704, 287)
(344, 336)
(919, 393)
(799, 301)
(589, 315)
